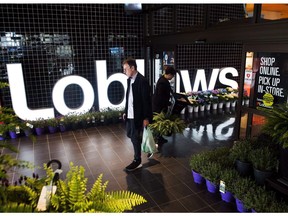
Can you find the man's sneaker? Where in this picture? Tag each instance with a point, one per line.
(133, 166)
(149, 155)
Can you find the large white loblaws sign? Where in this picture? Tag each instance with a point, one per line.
(19, 100)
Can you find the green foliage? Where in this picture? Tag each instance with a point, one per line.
(259, 199)
(25, 195)
(54, 122)
(277, 124)
(211, 171)
(164, 124)
(241, 150)
(71, 195)
(264, 159)
(241, 186)
(229, 177)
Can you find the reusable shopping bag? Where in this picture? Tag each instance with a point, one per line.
(148, 143)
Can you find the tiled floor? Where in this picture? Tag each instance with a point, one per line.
(165, 180)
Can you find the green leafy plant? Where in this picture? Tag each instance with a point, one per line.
(71, 195)
(241, 150)
(229, 177)
(264, 159)
(211, 171)
(259, 199)
(277, 124)
(164, 124)
(241, 186)
(54, 122)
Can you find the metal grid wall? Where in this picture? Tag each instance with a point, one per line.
(209, 56)
(55, 40)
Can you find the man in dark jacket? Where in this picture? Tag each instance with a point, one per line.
(161, 97)
(138, 109)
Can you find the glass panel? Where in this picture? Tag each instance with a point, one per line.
(243, 125)
(249, 9)
(274, 11)
(257, 123)
(248, 80)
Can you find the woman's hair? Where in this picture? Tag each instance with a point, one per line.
(170, 70)
(131, 62)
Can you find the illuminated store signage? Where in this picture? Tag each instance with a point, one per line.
(19, 100)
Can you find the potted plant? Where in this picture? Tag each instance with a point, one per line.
(277, 124)
(211, 173)
(39, 125)
(166, 125)
(258, 199)
(13, 129)
(52, 124)
(239, 189)
(197, 162)
(71, 195)
(264, 163)
(227, 179)
(240, 153)
(3, 131)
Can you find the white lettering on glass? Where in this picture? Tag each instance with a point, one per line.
(18, 96)
(19, 100)
(58, 94)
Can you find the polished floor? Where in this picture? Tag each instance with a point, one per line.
(165, 180)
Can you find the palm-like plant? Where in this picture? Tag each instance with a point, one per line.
(71, 195)
(277, 124)
(165, 124)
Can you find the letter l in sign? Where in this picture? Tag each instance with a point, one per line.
(18, 96)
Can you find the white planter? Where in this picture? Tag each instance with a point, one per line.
(196, 108)
(202, 108)
(214, 106)
(183, 110)
(190, 109)
(220, 105)
(208, 106)
(227, 104)
(233, 103)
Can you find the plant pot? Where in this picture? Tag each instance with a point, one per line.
(233, 104)
(208, 107)
(27, 132)
(2, 137)
(183, 110)
(220, 105)
(190, 109)
(246, 102)
(240, 206)
(13, 135)
(198, 178)
(227, 196)
(52, 129)
(260, 176)
(228, 104)
(244, 168)
(202, 108)
(39, 131)
(196, 108)
(62, 128)
(212, 188)
(214, 106)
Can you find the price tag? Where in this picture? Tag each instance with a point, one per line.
(222, 186)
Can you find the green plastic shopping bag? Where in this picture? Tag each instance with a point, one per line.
(148, 144)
